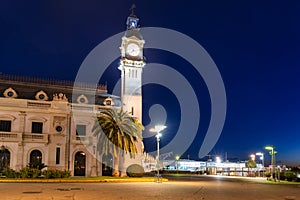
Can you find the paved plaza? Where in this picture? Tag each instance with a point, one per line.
(202, 189)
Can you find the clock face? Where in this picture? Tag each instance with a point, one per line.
(133, 49)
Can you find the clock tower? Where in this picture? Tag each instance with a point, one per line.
(131, 66)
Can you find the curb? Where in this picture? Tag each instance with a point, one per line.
(112, 180)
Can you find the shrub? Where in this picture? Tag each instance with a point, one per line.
(25, 172)
(135, 170)
(290, 176)
(54, 173)
(268, 174)
(35, 173)
(28, 172)
(47, 174)
(10, 173)
(66, 174)
(37, 165)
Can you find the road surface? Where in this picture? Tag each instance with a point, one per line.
(184, 187)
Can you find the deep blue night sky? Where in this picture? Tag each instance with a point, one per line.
(255, 44)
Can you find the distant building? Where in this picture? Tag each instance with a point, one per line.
(213, 168)
(37, 121)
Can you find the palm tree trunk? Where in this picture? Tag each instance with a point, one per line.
(122, 166)
(116, 172)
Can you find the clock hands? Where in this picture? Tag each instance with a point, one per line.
(133, 49)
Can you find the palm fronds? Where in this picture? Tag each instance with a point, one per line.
(116, 131)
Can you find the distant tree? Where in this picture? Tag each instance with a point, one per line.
(116, 131)
(251, 164)
(295, 169)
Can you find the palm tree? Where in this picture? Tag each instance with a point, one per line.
(117, 132)
(250, 164)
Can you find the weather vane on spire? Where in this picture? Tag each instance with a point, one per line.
(132, 20)
(132, 8)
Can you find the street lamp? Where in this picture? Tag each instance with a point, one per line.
(261, 158)
(271, 148)
(158, 129)
(218, 159)
(252, 156)
(177, 158)
(262, 161)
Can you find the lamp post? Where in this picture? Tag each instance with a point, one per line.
(262, 161)
(158, 129)
(271, 148)
(177, 158)
(261, 158)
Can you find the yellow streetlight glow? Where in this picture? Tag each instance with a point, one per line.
(159, 128)
(269, 148)
(152, 130)
(252, 156)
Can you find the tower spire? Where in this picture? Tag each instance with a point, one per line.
(132, 20)
(132, 9)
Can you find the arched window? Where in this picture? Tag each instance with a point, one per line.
(35, 157)
(4, 158)
(79, 164)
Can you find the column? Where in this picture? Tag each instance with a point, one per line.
(20, 151)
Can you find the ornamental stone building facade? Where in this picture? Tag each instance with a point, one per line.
(37, 121)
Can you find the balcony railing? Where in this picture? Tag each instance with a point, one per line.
(26, 137)
(35, 137)
(38, 104)
(10, 137)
